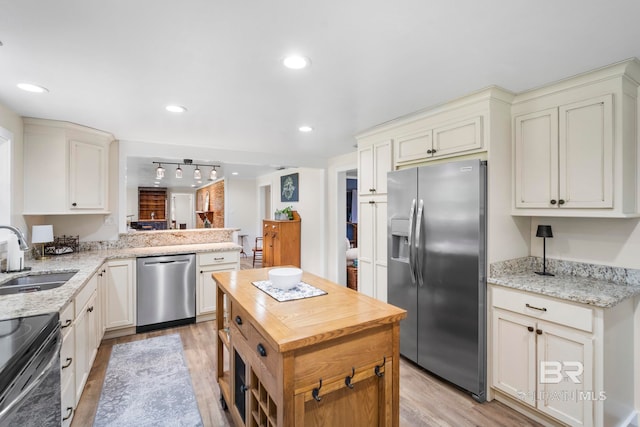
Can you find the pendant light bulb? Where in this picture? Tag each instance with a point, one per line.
(178, 172)
(197, 174)
(213, 174)
(159, 171)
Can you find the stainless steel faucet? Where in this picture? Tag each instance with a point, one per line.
(21, 239)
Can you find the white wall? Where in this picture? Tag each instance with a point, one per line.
(311, 207)
(241, 207)
(614, 242)
(12, 122)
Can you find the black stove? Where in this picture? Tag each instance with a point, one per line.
(20, 339)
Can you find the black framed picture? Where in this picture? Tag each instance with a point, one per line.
(289, 188)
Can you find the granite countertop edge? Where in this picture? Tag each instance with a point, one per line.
(583, 290)
(86, 264)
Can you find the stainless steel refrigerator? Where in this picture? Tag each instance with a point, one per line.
(436, 268)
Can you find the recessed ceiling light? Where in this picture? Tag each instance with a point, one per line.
(32, 88)
(234, 173)
(296, 62)
(156, 182)
(176, 108)
(305, 128)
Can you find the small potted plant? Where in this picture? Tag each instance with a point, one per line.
(284, 214)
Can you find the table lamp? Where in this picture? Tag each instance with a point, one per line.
(544, 231)
(42, 234)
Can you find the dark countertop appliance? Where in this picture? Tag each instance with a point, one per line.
(30, 371)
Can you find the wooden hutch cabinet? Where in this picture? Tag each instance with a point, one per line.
(281, 242)
(152, 208)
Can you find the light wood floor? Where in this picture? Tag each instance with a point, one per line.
(424, 400)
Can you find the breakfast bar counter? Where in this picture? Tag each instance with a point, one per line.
(330, 359)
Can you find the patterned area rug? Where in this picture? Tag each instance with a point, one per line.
(148, 384)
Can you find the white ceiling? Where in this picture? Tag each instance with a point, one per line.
(114, 65)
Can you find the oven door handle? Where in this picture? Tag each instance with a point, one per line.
(39, 378)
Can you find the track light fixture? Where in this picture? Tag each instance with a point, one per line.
(159, 171)
(197, 173)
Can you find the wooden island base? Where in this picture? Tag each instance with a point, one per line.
(327, 360)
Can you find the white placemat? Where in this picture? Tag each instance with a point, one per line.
(301, 290)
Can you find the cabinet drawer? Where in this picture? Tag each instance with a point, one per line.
(263, 351)
(66, 319)
(67, 361)
(543, 308)
(85, 293)
(217, 258)
(240, 320)
(337, 357)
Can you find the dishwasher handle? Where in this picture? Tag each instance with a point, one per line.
(180, 261)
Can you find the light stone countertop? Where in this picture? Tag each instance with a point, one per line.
(86, 264)
(584, 290)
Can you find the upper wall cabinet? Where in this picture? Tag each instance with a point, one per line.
(575, 147)
(374, 161)
(437, 141)
(65, 168)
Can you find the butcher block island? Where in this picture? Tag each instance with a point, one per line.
(330, 359)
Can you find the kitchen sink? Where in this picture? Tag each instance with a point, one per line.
(35, 282)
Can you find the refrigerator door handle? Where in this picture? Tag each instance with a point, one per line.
(412, 215)
(418, 264)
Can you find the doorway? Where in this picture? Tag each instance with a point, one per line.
(182, 210)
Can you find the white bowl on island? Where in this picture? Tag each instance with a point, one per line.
(285, 278)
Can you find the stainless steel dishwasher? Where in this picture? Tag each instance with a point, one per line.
(166, 291)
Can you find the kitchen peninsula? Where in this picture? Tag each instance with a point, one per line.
(331, 359)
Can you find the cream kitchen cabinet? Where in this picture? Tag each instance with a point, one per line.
(575, 146)
(120, 294)
(208, 263)
(458, 137)
(86, 333)
(564, 156)
(67, 365)
(372, 247)
(374, 161)
(65, 168)
(549, 355)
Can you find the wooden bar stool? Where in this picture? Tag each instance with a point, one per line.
(257, 251)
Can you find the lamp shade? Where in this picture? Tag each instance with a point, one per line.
(544, 231)
(42, 234)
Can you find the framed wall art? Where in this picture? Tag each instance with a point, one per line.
(289, 188)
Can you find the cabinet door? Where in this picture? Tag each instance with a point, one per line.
(380, 256)
(536, 159)
(414, 146)
(514, 355)
(82, 346)
(45, 170)
(120, 294)
(93, 317)
(565, 379)
(383, 163)
(372, 248)
(374, 162)
(366, 248)
(586, 153)
(366, 184)
(87, 176)
(459, 137)
(267, 244)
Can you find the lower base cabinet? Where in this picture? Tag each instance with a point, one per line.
(568, 362)
(207, 263)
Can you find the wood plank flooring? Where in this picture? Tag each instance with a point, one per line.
(424, 400)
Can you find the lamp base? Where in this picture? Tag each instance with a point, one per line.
(544, 273)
